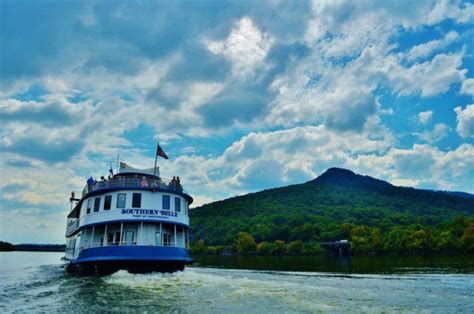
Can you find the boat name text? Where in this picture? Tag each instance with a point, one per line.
(148, 212)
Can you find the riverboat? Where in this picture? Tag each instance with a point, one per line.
(133, 220)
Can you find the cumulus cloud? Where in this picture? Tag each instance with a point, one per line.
(268, 159)
(461, 12)
(425, 116)
(246, 47)
(428, 78)
(465, 120)
(52, 113)
(426, 49)
(467, 87)
(438, 132)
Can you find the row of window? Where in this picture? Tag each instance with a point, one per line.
(136, 202)
(128, 238)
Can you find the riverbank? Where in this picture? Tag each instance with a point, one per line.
(8, 247)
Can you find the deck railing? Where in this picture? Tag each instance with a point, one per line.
(134, 182)
(72, 225)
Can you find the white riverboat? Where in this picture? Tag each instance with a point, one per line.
(134, 220)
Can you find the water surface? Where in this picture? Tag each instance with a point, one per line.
(37, 282)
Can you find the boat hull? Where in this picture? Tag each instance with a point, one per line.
(135, 259)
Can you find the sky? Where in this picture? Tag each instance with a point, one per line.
(241, 95)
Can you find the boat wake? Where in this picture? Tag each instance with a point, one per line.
(50, 288)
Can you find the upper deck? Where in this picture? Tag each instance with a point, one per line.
(135, 181)
(130, 181)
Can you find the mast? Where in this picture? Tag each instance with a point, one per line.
(156, 158)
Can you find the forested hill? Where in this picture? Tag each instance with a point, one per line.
(329, 208)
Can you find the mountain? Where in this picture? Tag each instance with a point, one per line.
(344, 177)
(329, 208)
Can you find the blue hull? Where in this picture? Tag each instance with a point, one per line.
(137, 259)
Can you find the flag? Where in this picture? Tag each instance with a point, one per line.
(160, 152)
(111, 170)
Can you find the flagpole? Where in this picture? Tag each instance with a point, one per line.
(156, 158)
(118, 161)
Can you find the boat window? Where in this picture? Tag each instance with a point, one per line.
(110, 238)
(107, 202)
(121, 198)
(89, 205)
(166, 239)
(177, 204)
(117, 238)
(96, 204)
(158, 238)
(166, 202)
(137, 200)
(129, 237)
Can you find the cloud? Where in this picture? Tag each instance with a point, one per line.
(350, 112)
(49, 150)
(53, 113)
(461, 12)
(426, 49)
(465, 120)
(425, 116)
(228, 107)
(268, 159)
(439, 132)
(20, 163)
(428, 78)
(467, 87)
(246, 47)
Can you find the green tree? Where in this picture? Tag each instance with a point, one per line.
(279, 247)
(244, 243)
(295, 247)
(312, 248)
(265, 248)
(467, 238)
(198, 247)
(421, 240)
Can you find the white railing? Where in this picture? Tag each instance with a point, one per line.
(134, 182)
(132, 244)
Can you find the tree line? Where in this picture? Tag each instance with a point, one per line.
(456, 236)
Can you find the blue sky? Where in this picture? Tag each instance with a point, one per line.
(242, 95)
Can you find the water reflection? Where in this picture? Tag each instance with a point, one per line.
(344, 264)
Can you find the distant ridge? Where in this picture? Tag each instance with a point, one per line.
(344, 177)
(347, 178)
(457, 193)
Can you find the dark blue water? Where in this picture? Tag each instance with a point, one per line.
(36, 282)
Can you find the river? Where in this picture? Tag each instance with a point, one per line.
(37, 282)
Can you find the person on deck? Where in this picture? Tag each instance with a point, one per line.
(144, 183)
